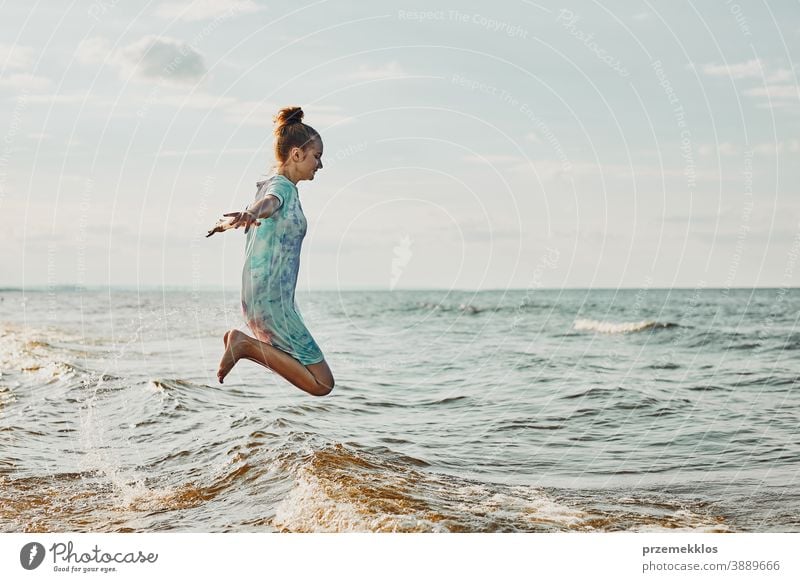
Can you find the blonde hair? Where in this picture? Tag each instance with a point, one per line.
(290, 132)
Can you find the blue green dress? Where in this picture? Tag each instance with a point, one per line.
(269, 277)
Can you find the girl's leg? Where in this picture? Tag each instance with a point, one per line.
(315, 379)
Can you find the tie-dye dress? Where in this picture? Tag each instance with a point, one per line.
(269, 277)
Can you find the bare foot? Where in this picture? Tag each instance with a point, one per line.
(232, 353)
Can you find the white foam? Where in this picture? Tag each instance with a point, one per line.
(533, 506)
(611, 327)
(310, 507)
(7, 395)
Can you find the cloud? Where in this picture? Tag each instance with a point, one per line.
(16, 56)
(723, 149)
(780, 76)
(207, 152)
(771, 149)
(386, 71)
(260, 114)
(777, 84)
(206, 9)
(24, 81)
(256, 113)
(777, 97)
(202, 101)
(492, 159)
(79, 98)
(151, 57)
(321, 116)
(793, 107)
(42, 136)
(750, 69)
(93, 50)
(768, 149)
(532, 136)
(775, 92)
(553, 169)
(164, 58)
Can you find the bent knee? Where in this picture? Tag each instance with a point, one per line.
(323, 388)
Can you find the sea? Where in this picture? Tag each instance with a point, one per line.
(541, 410)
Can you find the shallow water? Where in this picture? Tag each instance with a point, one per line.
(577, 410)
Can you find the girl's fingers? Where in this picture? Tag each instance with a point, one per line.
(251, 223)
(240, 220)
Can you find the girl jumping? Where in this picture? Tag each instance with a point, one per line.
(282, 342)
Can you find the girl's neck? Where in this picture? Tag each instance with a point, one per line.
(288, 174)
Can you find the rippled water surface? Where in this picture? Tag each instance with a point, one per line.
(548, 410)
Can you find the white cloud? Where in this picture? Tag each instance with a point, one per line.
(768, 149)
(775, 92)
(552, 169)
(93, 50)
(320, 116)
(749, 69)
(168, 59)
(777, 87)
(151, 57)
(531, 136)
(260, 114)
(780, 76)
(15, 56)
(207, 152)
(723, 149)
(24, 81)
(202, 101)
(771, 149)
(63, 98)
(206, 9)
(493, 159)
(386, 71)
(780, 105)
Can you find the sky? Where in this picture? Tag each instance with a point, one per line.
(467, 145)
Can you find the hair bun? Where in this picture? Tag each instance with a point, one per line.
(288, 116)
(291, 132)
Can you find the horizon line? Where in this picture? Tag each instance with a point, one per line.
(209, 288)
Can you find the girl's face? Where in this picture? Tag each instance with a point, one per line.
(310, 160)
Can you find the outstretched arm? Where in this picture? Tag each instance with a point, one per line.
(260, 209)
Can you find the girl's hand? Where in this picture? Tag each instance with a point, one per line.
(234, 220)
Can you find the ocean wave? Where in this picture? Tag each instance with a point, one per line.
(466, 308)
(413, 404)
(342, 488)
(624, 327)
(345, 488)
(28, 349)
